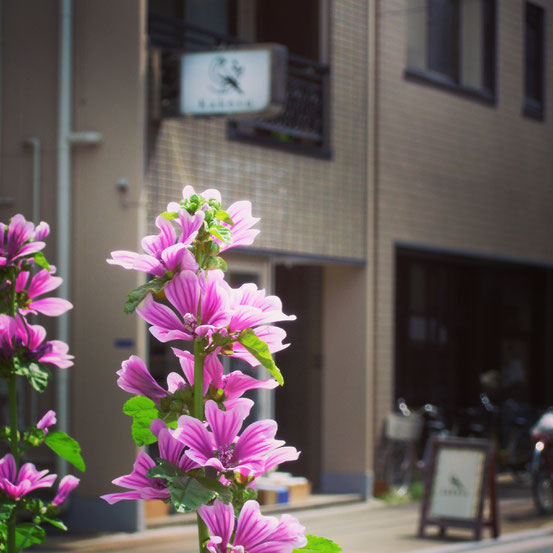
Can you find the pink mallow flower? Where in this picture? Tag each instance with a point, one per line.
(66, 486)
(40, 284)
(185, 293)
(240, 212)
(252, 453)
(253, 532)
(49, 419)
(17, 484)
(20, 238)
(135, 378)
(17, 337)
(251, 308)
(233, 384)
(164, 251)
(142, 486)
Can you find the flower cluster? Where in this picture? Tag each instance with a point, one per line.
(196, 418)
(26, 277)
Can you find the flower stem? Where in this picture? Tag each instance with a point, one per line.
(13, 438)
(12, 391)
(198, 381)
(199, 357)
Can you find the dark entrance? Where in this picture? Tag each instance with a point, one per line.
(467, 325)
(297, 404)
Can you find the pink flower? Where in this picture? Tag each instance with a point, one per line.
(250, 454)
(187, 293)
(40, 284)
(254, 533)
(142, 486)
(164, 252)
(135, 378)
(233, 385)
(16, 485)
(67, 485)
(240, 213)
(242, 233)
(20, 238)
(49, 419)
(17, 337)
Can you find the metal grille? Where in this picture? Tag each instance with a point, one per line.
(302, 127)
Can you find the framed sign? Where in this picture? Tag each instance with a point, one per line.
(459, 477)
(249, 81)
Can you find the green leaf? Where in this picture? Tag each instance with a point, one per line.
(224, 216)
(6, 509)
(27, 534)
(40, 260)
(134, 297)
(54, 522)
(217, 263)
(143, 411)
(165, 469)
(66, 447)
(222, 233)
(169, 215)
(315, 544)
(259, 349)
(188, 492)
(37, 375)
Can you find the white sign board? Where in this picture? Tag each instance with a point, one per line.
(230, 82)
(457, 484)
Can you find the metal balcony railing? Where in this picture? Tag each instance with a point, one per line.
(301, 128)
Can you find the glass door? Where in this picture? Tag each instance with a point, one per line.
(259, 272)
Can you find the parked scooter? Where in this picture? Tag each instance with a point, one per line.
(542, 463)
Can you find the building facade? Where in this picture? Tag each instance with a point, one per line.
(403, 195)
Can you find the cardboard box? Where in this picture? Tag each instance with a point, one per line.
(268, 494)
(153, 508)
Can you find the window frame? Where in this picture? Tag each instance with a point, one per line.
(534, 107)
(488, 93)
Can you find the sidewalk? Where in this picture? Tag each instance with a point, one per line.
(372, 527)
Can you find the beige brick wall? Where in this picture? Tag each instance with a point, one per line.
(456, 173)
(307, 205)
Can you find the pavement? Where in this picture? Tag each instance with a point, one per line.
(358, 527)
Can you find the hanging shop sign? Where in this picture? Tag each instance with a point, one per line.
(246, 81)
(459, 476)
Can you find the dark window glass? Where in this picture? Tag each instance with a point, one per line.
(299, 32)
(443, 37)
(534, 48)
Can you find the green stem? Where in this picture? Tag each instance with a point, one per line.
(199, 356)
(12, 390)
(14, 442)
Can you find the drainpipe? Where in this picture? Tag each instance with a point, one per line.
(66, 138)
(372, 227)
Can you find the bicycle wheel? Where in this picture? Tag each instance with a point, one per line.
(399, 466)
(542, 491)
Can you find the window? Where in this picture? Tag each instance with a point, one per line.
(177, 26)
(451, 43)
(533, 57)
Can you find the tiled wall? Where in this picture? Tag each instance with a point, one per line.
(307, 205)
(455, 173)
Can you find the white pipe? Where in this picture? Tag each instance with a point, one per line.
(63, 222)
(66, 138)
